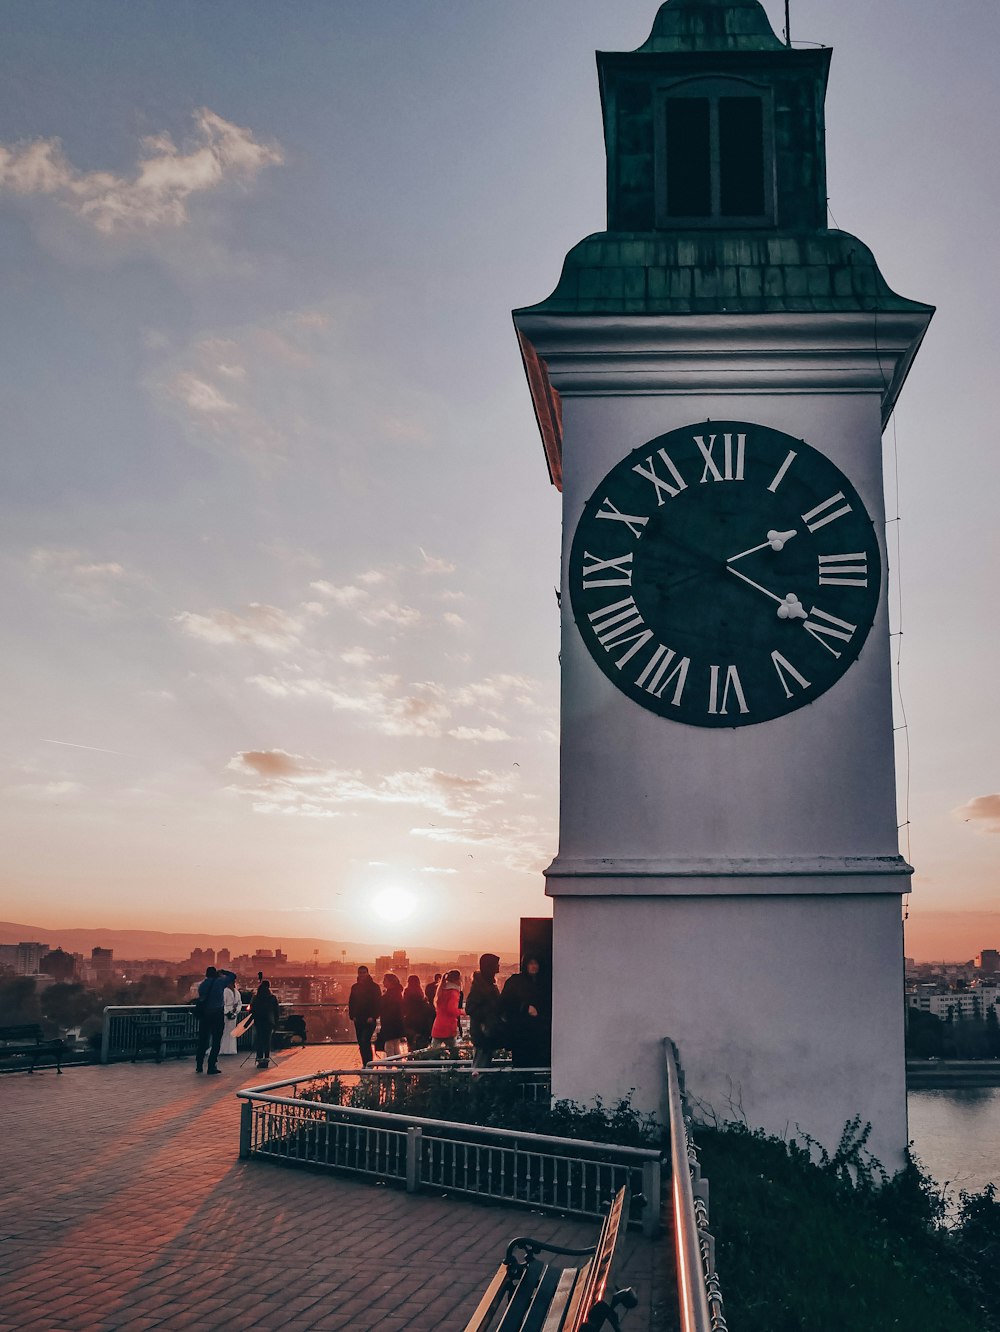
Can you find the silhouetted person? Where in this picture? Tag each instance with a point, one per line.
(431, 988)
(483, 1008)
(418, 1015)
(266, 1013)
(524, 1004)
(363, 1008)
(392, 1032)
(211, 1009)
(444, 1033)
(233, 1004)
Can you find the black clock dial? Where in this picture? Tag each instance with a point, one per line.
(724, 574)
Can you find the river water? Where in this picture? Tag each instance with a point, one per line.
(956, 1135)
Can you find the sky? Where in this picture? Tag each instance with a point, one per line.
(278, 543)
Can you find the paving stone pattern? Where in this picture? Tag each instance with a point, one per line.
(125, 1206)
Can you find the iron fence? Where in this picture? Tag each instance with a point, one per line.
(549, 1174)
(162, 1030)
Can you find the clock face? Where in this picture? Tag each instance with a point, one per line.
(724, 574)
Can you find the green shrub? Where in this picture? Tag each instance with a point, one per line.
(493, 1101)
(830, 1243)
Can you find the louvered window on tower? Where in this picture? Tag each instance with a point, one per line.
(716, 158)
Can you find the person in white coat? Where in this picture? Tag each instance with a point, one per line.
(233, 1005)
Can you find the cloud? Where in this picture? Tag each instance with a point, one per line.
(258, 626)
(380, 701)
(270, 763)
(343, 595)
(983, 810)
(90, 584)
(451, 618)
(243, 389)
(280, 782)
(517, 843)
(433, 565)
(55, 790)
(358, 656)
(478, 733)
(157, 194)
(404, 617)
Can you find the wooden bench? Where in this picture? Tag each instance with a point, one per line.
(168, 1033)
(28, 1041)
(534, 1295)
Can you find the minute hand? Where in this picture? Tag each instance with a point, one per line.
(789, 607)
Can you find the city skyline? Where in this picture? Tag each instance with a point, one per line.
(279, 547)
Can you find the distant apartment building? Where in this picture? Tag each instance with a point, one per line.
(58, 964)
(397, 962)
(223, 957)
(202, 957)
(24, 959)
(988, 961)
(956, 1004)
(101, 960)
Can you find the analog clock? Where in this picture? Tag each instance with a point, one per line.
(724, 574)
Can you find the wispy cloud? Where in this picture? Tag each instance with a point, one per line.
(382, 702)
(984, 811)
(242, 389)
(165, 178)
(280, 782)
(258, 625)
(88, 582)
(434, 565)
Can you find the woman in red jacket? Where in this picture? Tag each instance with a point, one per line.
(444, 1033)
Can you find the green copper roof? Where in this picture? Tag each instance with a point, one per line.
(704, 272)
(711, 25)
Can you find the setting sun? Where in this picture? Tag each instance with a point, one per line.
(395, 904)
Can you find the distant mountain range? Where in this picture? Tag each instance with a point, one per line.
(176, 946)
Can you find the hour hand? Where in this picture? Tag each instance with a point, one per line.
(775, 539)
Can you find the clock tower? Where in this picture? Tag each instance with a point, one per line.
(711, 377)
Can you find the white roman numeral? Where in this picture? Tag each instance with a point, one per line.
(632, 521)
(732, 464)
(844, 570)
(782, 665)
(827, 517)
(616, 565)
(828, 626)
(657, 676)
(619, 624)
(662, 487)
(731, 681)
(779, 475)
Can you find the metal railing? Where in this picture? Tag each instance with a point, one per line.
(549, 1174)
(125, 1024)
(698, 1291)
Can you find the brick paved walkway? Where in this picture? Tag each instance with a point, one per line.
(125, 1206)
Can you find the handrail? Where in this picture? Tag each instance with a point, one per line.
(253, 1094)
(372, 1070)
(691, 1285)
